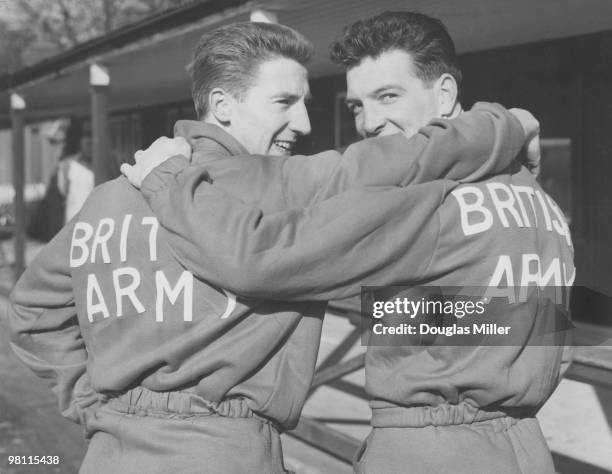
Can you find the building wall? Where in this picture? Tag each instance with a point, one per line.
(41, 156)
(566, 84)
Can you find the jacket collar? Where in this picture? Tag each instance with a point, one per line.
(208, 141)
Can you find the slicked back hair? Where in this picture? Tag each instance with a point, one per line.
(425, 39)
(229, 57)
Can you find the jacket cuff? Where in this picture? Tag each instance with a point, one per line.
(163, 173)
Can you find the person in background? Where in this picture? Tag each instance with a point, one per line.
(75, 179)
(70, 183)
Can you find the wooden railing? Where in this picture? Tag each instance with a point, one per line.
(592, 364)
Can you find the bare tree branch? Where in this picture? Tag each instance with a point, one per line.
(65, 23)
(51, 34)
(69, 29)
(108, 15)
(26, 6)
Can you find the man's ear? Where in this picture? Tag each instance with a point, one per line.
(220, 105)
(447, 95)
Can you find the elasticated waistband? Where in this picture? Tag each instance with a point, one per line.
(144, 402)
(441, 415)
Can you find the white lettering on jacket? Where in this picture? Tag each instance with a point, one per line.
(508, 204)
(93, 244)
(482, 219)
(512, 206)
(128, 290)
(163, 288)
(81, 233)
(530, 273)
(93, 289)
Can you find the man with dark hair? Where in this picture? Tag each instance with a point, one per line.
(435, 407)
(406, 45)
(426, 39)
(169, 373)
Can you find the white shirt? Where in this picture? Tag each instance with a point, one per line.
(75, 181)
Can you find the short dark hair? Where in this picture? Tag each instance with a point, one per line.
(424, 38)
(229, 57)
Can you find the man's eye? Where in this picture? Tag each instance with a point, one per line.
(355, 109)
(387, 98)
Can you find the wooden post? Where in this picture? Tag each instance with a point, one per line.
(99, 79)
(17, 112)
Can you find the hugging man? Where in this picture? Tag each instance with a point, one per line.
(171, 372)
(435, 407)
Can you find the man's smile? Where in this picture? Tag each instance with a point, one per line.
(284, 145)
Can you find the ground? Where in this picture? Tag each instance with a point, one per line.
(30, 423)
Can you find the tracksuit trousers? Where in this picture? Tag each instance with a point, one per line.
(177, 432)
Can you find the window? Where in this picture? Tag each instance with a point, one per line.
(555, 172)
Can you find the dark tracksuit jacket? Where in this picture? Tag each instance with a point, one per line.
(494, 232)
(108, 313)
